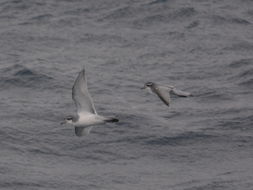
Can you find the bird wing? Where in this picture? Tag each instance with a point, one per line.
(175, 91)
(163, 94)
(82, 131)
(180, 92)
(81, 95)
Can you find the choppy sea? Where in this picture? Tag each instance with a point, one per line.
(204, 142)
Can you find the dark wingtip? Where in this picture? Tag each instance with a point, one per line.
(82, 72)
(83, 69)
(77, 132)
(167, 104)
(112, 120)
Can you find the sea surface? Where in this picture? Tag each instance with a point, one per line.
(204, 142)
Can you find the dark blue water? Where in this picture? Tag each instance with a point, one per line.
(199, 143)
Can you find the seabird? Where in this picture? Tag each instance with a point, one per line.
(163, 92)
(86, 113)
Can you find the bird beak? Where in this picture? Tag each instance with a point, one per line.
(144, 87)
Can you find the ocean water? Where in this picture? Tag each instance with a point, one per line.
(202, 142)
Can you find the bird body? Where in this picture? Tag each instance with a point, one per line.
(87, 115)
(163, 92)
(87, 119)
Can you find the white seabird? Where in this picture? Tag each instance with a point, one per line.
(163, 92)
(86, 113)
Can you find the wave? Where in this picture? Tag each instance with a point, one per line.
(102, 38)
(193, 24)
(243, 72)
(40, 19)
(217, 19)
(20, 184)
(21, 76)
(78, 11)
(241, 123)
(240, 46)
(170, 16)
(145, 15)
(247, 83)
(250, 12)
(213, 95)
(158, 1)
(247, 73)
(14, 5)
(181, 139)
(241, 63)
(120, 13)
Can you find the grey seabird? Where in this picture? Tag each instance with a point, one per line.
(163, 92)
(86, 113)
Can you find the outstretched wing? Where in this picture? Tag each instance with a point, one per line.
(163, 94)
(82, 131)
(175, 91)
(81, 95)
(180, 93)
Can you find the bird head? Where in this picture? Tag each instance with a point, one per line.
(68, 119)
(147, 85)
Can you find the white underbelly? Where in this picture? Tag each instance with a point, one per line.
(89, 119)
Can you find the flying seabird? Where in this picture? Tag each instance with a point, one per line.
(86, 113)
(163, 92)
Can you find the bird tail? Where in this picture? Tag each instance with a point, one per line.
(111, 120)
